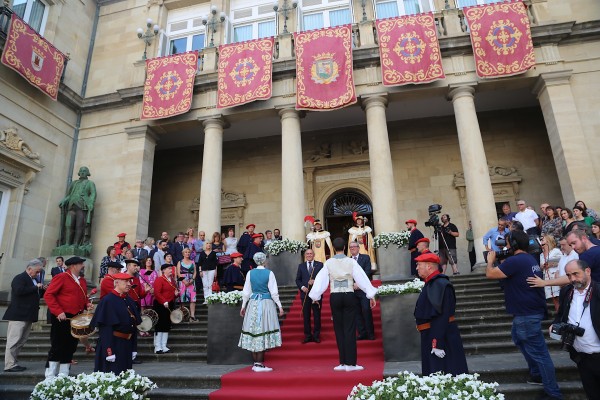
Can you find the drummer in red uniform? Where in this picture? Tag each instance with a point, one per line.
(108, 283)
(66, 297)
(165, 291)
(138, 291)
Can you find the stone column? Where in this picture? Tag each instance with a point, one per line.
(292, 176)
(480, 196)
(383, 186)
(209, 213)
(577, 178)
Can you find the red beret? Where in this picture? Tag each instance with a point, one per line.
(121, 234)
(410, 221)
(236, 254)
(257, 235)
(425, 240)
(428, 257)
(250, 225)
(121, 275)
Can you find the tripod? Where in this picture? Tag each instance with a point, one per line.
(437, 232)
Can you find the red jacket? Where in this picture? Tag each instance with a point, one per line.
(65, 295)
(164, 290)
(107, 285)
(138, 292)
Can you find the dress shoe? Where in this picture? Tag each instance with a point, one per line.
(361, 337)
(371, 337)
(317, 340)
(307, 339)
(16, 368)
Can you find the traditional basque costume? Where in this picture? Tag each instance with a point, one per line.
(248, 261)
(234, 278)
(116, 318)
(244, 242)
(434, 314)
(415, 235)
(164, 292)
(317, 241)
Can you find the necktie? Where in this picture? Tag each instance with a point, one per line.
(310, 268)
(356, 258)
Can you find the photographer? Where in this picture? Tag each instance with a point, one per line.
(447, 247)
(580, 310)
(528, 307)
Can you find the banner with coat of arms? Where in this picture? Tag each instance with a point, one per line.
(324, 76)
(409, 50)
(33, 57)
(501, 39)
(169, 85)
(245, 72)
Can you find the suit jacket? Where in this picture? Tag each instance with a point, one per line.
(140, 254)
(177, 249)
(24, 299)
(365, 263)
(565, 305)
(303, 276)
(56, 270)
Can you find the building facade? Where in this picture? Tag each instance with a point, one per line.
(467, 143)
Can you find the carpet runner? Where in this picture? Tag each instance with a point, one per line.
(302, 371)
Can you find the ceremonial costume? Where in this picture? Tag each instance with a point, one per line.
(415, 235)
(317, 241)
(308, 271)
(164, 292)
(106, 285)
(137, 292)
(120, 248)
(245, 240)
(248, 262)
(116, 318)
(234, 279)
(434, 314)
(363, 235)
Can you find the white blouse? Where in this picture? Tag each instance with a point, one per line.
(358, 274)
(272, 285)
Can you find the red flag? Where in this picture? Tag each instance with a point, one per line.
(409, 50)
(33, 57)
(324, 69)
(245, 72)
(501, 39)
(169, 85)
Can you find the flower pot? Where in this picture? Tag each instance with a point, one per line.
(401, 340)
(393, 263)
(285, 266)
(224, 330)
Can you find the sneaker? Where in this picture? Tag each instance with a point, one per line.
(535, 380)
(261, 368)
(340, 367)
(350, 368)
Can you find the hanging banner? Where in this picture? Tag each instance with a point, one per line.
(409, 50)
(324, 78)
(501, 39)
(33, 57)
(245, 72)
(169, 85)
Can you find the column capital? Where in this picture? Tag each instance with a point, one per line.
(374, 100)
(291, 112)
(142, 131)
(459, 90)
(551, 79)
(215, 121)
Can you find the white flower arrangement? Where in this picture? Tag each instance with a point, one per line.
(230, 298)
(385, 239)
(279, 246)
(95, 386)
(414, 286)
(433, 387)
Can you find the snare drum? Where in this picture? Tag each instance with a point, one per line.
(149, 320)
(80, 325)
(181, 314)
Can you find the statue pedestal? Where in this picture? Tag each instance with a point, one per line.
(285, 267)
(224, 330)
(72, 250)
(393, 263)
(401, 341)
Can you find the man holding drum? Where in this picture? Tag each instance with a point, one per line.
(116, 317)
(66, 297)
(165, 291)
(107, 283)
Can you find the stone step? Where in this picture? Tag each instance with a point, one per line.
(492, 327)
(145, 356)
(22, 392)
(571, 390)
(499, 347)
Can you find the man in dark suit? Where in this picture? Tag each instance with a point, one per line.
(139, 253)
(23, 310)
(305, 277)
(178, 247)
(60, 268)
(364, 316)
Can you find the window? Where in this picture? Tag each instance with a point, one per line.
(469, 3)
(254, 30)
(252, 19)
(386, 9)
(325, 18)
(34, 12)
(394, 8)
(186, 43)
(4, 200)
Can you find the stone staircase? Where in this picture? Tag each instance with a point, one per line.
(183, 374)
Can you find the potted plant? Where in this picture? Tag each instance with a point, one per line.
(393, 256)
(224, 329)
(284, 257)
(401, 340)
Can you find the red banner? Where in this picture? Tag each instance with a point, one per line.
(169, 85)
(501, 39)
(324, 78)
(33, 57)
(409, 50)
(245, 72)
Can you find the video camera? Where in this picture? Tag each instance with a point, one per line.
(434, 219)
(568, 333)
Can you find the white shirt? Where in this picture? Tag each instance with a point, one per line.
(76, 278)
(527, 218)
(359, 276)
(589, 342)
(564, 260)
(272, 285)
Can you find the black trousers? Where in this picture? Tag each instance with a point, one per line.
(164, 316)
(589, 371)
(62, 344)
(343, 310)
(309, 307)
(364, 316)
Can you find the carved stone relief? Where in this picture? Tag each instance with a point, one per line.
(232, 208)
(358, 147)
(10, 139)
(505, 184)
(323, 151)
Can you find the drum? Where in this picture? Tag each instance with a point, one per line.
(179, 315)
(80, 325)
(149, 320)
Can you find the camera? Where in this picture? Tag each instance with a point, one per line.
(500, 255)
(568, 333)
(434, 219)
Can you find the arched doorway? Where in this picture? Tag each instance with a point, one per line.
(339, 208)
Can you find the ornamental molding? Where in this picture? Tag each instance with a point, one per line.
(19, 164)
(10, 139)
(505, 184)
(233, 205)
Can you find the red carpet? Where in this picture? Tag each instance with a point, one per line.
(302, 371)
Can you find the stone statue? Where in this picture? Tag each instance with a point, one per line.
(77, 210)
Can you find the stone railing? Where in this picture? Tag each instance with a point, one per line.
(5, 14)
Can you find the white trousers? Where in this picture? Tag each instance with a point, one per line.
(207, 279)
(16, 336)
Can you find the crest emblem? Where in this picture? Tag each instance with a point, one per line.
(504, 37)
(410, 48)
(324, 69)
(318, 243)
(37, 59)
(244, 72)
(168, 85)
